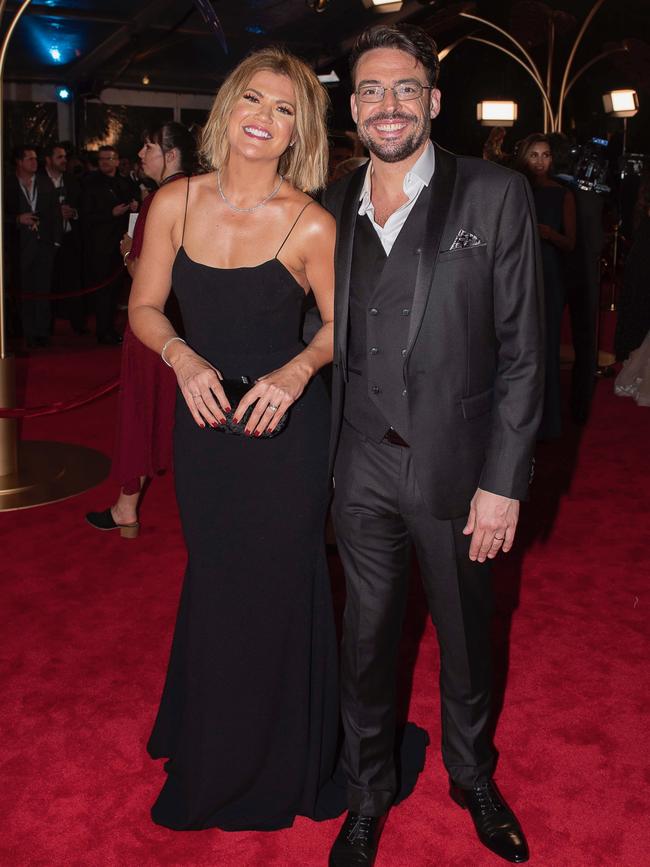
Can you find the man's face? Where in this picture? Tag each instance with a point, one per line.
(58, 162)
(108, 162)
(393, 130)
(29, 163)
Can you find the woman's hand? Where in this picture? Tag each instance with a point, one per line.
(275, 393)
(125, 245)
(200, 384)
(545, 231)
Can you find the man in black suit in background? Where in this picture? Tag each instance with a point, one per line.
(106, 203)
(68, 264)
(34, 223)
(437, 392)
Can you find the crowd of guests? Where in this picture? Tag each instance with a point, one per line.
(65, 218)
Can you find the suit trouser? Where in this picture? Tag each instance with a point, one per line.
(378, 514)
(36, 264)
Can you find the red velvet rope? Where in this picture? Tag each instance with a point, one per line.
(60, 405)
(57, 296)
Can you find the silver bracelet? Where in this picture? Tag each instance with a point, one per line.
(171, 340)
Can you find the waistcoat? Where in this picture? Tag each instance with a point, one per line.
(381, 297)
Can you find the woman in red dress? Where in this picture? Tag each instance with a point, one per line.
(143, 440)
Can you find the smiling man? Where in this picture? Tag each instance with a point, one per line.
(436, 402)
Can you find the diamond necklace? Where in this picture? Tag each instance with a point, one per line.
(255, 207)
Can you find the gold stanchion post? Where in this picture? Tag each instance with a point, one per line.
(32, 473)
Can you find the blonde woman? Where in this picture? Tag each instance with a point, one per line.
(248, 714)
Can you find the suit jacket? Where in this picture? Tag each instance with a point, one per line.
(102, 232)
(474, 363)
(50, 226)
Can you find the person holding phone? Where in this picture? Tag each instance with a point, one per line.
(106, 203)
(33, 215)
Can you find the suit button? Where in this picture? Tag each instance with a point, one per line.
(375, 389)
(403, 352)
(404, 393)
(374, 350)
(405, 311)
(373, 311)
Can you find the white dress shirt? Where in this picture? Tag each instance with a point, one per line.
(415, 181)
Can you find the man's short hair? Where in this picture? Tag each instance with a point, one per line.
(404, 37)
(110, 148)
(55, 146)
(18, 152)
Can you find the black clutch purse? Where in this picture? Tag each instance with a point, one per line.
(235, 389)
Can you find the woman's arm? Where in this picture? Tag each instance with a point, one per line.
(198, 380)
(283, 387)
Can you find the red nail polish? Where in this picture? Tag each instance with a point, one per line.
(222, 421)
(247, 432)
(202, 425)
(257, 433)
(228, 409)
(236, 420)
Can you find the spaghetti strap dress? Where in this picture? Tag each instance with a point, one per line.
(248, 718)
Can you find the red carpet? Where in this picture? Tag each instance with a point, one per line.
(86, 628)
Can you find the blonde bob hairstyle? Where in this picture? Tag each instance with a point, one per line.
(304, 164)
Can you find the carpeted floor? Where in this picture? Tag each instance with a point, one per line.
(86, 624)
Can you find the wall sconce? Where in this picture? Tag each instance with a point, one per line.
(383, 5)
(621, 103)
(496, 112)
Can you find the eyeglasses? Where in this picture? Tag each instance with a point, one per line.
(404, 91)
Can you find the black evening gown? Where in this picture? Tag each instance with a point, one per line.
(248, 717)
(549, 206)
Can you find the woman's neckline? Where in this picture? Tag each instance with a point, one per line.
(244, 267)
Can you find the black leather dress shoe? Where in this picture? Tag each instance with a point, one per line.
(358, 841)
(496, 825)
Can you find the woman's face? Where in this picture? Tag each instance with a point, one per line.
(538, 159)
(263, 119)
(153, 160)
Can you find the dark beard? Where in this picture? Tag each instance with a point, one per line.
(395, 152)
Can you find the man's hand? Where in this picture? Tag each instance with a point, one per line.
(492, 523)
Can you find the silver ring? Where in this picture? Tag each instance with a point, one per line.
(499, 538)
(272, 407)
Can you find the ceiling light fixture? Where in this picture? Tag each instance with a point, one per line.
(383, 5)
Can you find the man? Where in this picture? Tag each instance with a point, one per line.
(437, 389)
(107, 200)
(67, 266)
(33, 216)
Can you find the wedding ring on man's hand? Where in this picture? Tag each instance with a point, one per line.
(272, 407)
(499, 538)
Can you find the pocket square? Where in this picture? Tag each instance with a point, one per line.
(465, 239)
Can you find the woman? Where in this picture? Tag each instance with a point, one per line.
(556, 219)
(248, 715)
(148, 389)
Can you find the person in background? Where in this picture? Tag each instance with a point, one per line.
(633, 315)
(68, 262)
(33, 215)
(556, 221)
(143, 437)
(107, 200)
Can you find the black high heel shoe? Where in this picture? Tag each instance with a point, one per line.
(104, 521)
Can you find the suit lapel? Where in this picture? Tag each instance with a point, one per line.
(442, 188)
(344, 247)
